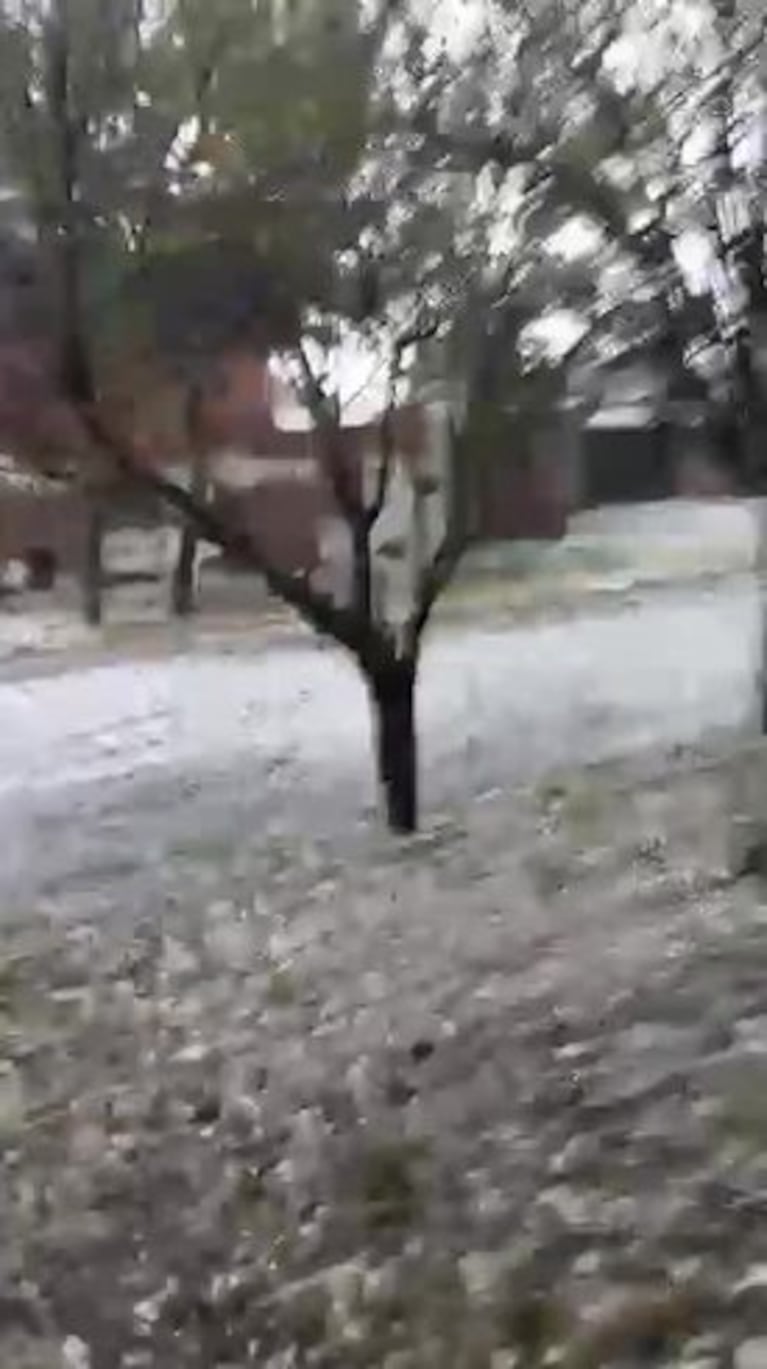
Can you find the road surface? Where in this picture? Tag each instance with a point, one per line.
(124, 767)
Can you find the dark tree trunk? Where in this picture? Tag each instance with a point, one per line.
(362, 573)
(183, 598)
(761, 581)
(392, 691)
(93, 568)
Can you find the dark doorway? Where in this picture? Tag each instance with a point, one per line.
(627, 465)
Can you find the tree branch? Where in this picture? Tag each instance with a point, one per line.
(385, 463)
(333, 462)
(78, 387)
(316, 609)
(471, 153)
(386, 425)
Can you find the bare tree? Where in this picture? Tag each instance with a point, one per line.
(422, 277)
(387, 655)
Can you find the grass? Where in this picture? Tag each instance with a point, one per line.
(378, 1201)
(584, 812)
(391, 1183)
(531, 577)
(281, 988)
(10, 971)
(580, 804)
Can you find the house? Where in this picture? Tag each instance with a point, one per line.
(523, 488)
(43, 528)
(271, 481)
(263, 473)
(647, 436)
(267, 476)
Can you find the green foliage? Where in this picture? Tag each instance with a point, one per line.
(237, 165)
(211, 123)
(391, 1183)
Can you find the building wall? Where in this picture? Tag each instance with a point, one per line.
(660, 461)
(55, 521)
(524, 488)
(283, 516)
(696, 473)
(131, 551)
(523, 502)
(268, 481)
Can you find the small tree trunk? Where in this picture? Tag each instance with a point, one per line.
(183, 590)
(761, 589)
(393, 698)
(183, 597)
(93, 567)
(362, 571)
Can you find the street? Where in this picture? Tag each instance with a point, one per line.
(154, 754)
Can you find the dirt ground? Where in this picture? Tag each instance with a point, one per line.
(496, 1097)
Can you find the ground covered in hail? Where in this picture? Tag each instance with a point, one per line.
(495, 1097)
